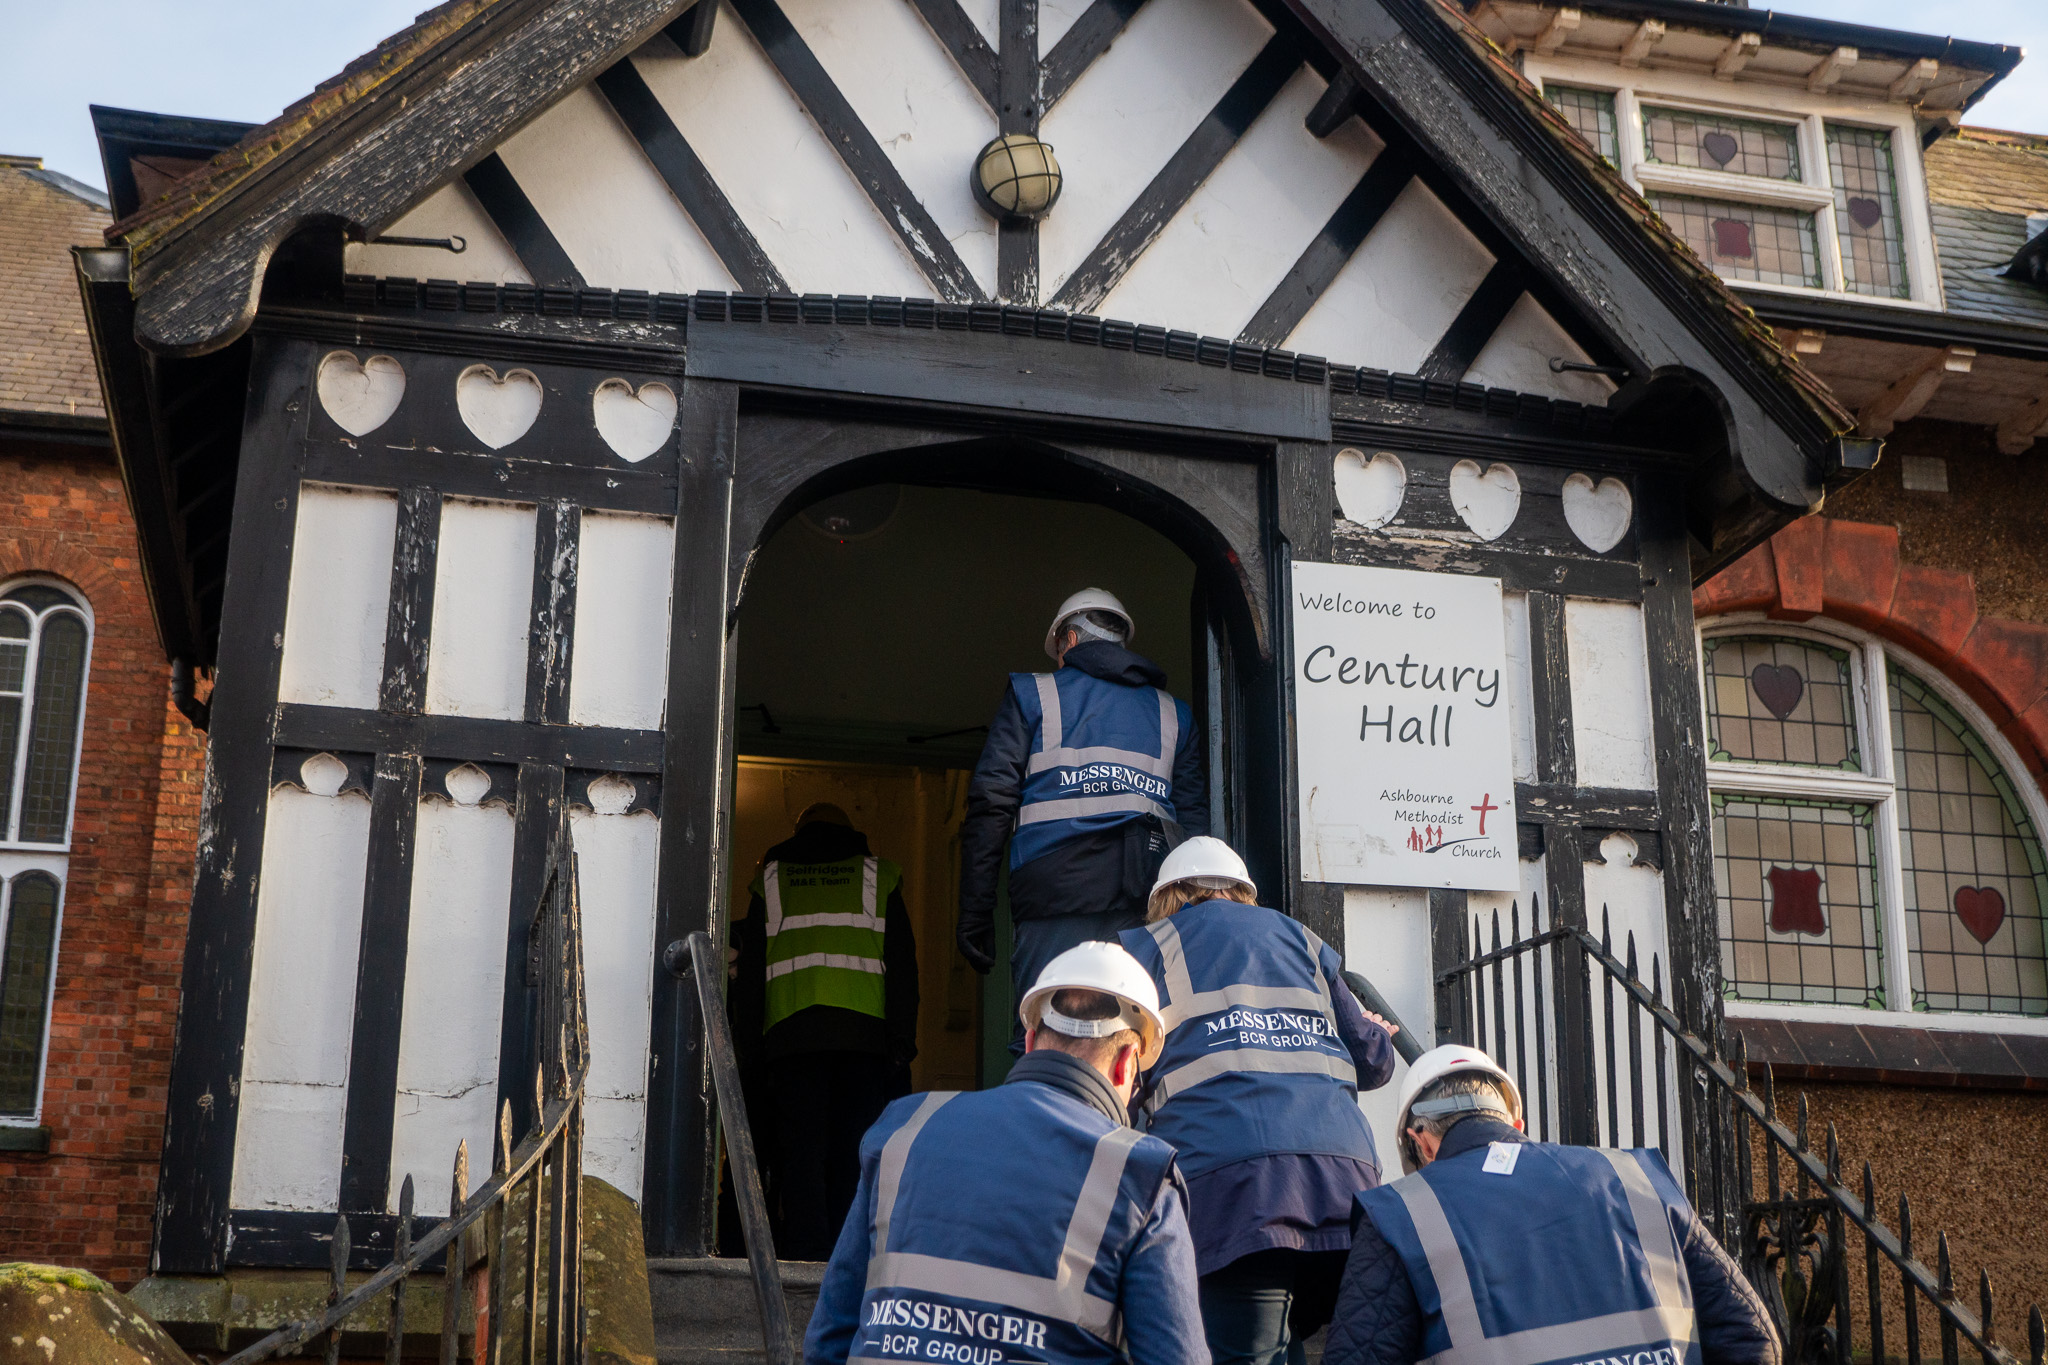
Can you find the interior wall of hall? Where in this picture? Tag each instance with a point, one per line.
(855, 645)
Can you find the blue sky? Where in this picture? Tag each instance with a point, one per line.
(247, 59)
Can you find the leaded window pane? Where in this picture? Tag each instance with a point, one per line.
(1867, 211)
(1780, 701)
(1974, 875)
(38, 596)
(1746, 241)
(1591, 115)
(1796, 887)
(53, 730)
(14, 632)
(25, 987)
(1721, 142)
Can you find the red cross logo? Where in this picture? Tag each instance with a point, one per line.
(1485, 805)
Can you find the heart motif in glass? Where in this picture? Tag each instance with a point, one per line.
(1795, 901)
(1981, 909)
(1721, 147)
(1731, 239)
(1778, 686)
(1864, 212)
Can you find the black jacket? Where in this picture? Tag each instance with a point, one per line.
(1379, 1322)
(1109, 870)
(825, 1028)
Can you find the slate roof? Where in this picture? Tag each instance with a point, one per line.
(1983, 184)
(46, 363)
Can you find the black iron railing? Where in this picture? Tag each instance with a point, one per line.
(1601, 1059)
(513, 1249)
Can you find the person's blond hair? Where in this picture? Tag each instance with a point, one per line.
(1168, 899)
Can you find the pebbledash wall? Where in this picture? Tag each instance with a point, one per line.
(78, 1163)
(1952, 582)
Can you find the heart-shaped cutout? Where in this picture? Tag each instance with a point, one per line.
(1598, 514)
(635, 425)
(1864, 212)
(1981, 909)
(499, 411)
(468, 784)
(1778, 686)
(1487, 501)
(359, 396)
(1795, 901)
(1720, 147)
(612, 795)
(1369, 491)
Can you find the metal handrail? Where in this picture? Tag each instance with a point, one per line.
(693, 959)
(1775, 1235)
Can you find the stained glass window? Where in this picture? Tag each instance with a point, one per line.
(1746, 241)
(1974, 876)
(44, 642)
(1721, 142)
(1797, 888)
(1773, 700)
(1867, 211)
(1590, 112)
(26, 953)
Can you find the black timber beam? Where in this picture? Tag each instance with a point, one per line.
(1477, 321)
(905, 214)
(1320, 261)
(1019, 103)
(520, 223)
(1182, 175)
(693, 28)
(1090, 37)
(970, 51)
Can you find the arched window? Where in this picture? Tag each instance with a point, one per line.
(28, 950)
(1870, 847)
(45, 641)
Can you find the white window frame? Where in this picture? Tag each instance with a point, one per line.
(1813, 191)
(1871, 660)
(18, 857)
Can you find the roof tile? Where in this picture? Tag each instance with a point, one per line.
(46, 360)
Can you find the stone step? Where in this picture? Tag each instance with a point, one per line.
(705, 1312)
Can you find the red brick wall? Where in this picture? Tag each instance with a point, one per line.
(88, 1202)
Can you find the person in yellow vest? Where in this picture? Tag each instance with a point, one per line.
(824, 1004)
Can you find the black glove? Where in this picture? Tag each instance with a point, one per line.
(978, 946)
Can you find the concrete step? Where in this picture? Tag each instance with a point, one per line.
(705, 1312)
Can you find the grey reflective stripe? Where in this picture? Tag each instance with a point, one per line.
(846, 962)
(1052, 731)
(1653, 1226)
(867, 918)
(1231, 1061)
(1184, 1002)
(1671, 1320)
(1037, 812)
(1064, 1295)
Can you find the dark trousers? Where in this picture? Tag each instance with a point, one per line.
(1261, 1309)
(821, 1103)
(1039, 941)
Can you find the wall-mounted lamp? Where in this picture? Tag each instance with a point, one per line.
(1016, 176)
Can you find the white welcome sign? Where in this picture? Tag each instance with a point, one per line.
(1401, 723)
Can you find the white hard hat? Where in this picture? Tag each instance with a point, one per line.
(1088, 599)
(1206, 862)
(1102, 967)
(1437, 1063)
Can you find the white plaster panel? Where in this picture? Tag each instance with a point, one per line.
(302, 1000)
(987, 16)
(1130, 112)
(483, 602)
(1387, 941)
(1521, 688)
(909, 93)
(594, 188)
(1243, 230)
(1055, 17)
(1610, 669)
(615, 859)
(618, 659)
(1398, 294)
(1518, 354)
(449, 1027)
(784, 180)
(451, 211)
(339, 595)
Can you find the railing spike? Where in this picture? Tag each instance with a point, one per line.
(503, 1162)
(1741, 1066)
(1496, 931)
(2037, 1336)
(458, 1185)
(1606, 931)
(1515, 920)
(1905, 1228)
(1869, 1191)
(1834, 1155)
(540, 1098)
(1656, 978)
(455, 1261)
(1770, 1094)
(1632, 955)
(1984, 1304)
(1944, 1272)
(1802, 1121)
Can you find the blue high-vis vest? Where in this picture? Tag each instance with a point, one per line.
(1101, 754)
(1570, 1258)
(1001, 1224)
(1253, 1063)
